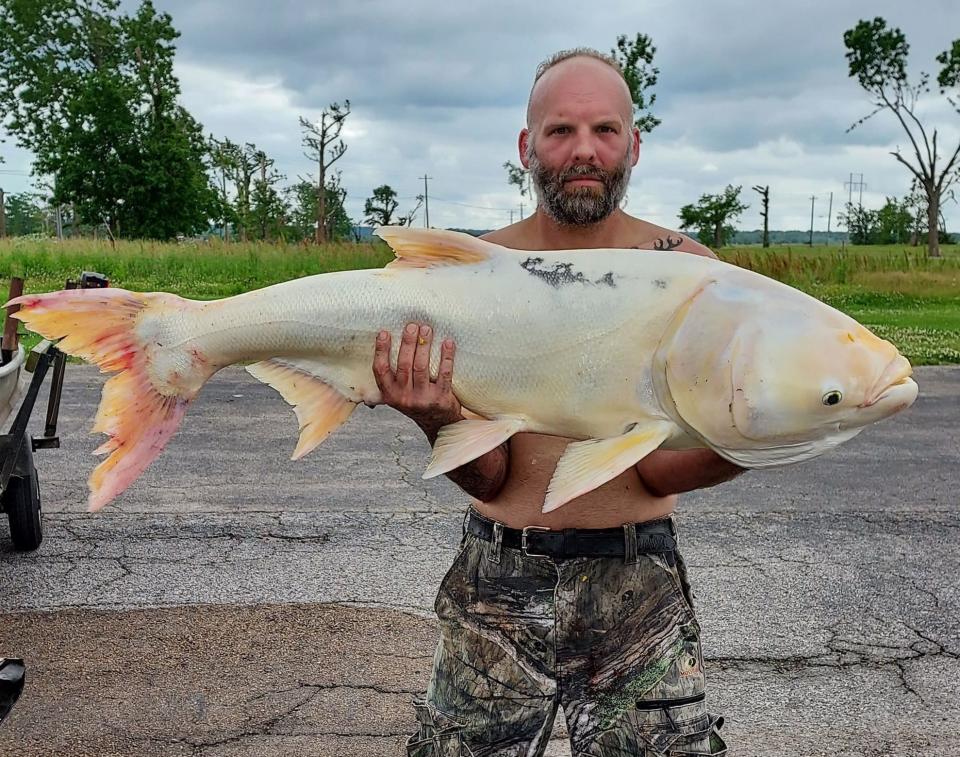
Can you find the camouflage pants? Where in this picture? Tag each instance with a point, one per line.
(613, 641)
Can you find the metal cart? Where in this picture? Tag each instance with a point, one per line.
(19, 487)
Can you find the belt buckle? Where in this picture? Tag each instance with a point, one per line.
(523, 540)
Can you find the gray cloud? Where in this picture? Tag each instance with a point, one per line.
(749, 92)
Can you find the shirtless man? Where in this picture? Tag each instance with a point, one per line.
(598, 620)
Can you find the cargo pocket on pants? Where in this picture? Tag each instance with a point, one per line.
(438, 736)
(679, 728)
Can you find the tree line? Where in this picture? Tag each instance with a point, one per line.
(91, 92)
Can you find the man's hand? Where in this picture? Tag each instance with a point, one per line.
(430, 404)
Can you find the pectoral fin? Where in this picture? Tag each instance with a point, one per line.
(320, 408)
(467, 440)
(586, 465)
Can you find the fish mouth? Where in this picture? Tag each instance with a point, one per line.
(894, 377)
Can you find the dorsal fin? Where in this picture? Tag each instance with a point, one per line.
(425, 248)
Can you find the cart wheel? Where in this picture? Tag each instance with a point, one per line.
(11, 684)
(22, 503)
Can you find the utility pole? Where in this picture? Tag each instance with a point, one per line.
(426, 202)
(511, 216)
(521, 211)
(813, 202)
(765, 213)
(829, 216)
(851, 184)
(3, 216)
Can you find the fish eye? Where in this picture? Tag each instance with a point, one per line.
(832, 397)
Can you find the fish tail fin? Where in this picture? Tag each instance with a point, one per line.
(140, 416)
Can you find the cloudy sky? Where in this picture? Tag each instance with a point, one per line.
(750, 92)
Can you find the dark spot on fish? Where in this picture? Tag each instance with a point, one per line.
(561, 274)
(670, 243)
(660, 283)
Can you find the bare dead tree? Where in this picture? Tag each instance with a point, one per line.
(877, 58)
(325, 148)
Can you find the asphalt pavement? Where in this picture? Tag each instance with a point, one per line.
(233, 602)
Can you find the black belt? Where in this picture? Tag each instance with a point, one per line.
(537, 541)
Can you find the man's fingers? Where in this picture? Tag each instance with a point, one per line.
(445, 374)
(421, 358)
(381, 361)
(408, 345)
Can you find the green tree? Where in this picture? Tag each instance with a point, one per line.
(894, 222)
(268, 209)
(91, 92)
(636, 59)
(223, 163)
(303, 203)
(378, 210)
(877, 58)
(339, 225)
(713, 216)
(860, 222)
(519, 177)
(24, 214)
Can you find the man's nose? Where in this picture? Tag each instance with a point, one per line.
(584, 148)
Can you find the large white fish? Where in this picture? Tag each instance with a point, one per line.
(628, 351)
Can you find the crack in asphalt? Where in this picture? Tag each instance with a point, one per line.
(844, 653)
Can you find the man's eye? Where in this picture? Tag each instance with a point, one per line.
(559, 130)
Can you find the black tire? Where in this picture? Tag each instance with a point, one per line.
(12, 673)
(22, 502)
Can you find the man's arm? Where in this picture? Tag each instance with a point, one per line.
(666, 472)
(432, 404)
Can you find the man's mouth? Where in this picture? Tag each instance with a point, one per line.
(582, 181)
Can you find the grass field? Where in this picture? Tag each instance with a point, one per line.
(897, 291)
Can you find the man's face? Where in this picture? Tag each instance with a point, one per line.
(580, 145)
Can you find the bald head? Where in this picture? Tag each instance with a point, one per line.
(578, 78)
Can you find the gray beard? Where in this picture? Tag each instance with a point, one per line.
(579, 206)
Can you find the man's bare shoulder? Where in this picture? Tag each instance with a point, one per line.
(515, 236)
(649, 236)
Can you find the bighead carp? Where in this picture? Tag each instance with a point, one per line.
(625, 351)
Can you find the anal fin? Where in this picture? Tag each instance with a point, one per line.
(586, 465)
(320, 407)
(467, 440)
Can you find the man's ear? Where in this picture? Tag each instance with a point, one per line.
(636, 145)
(522, 146)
